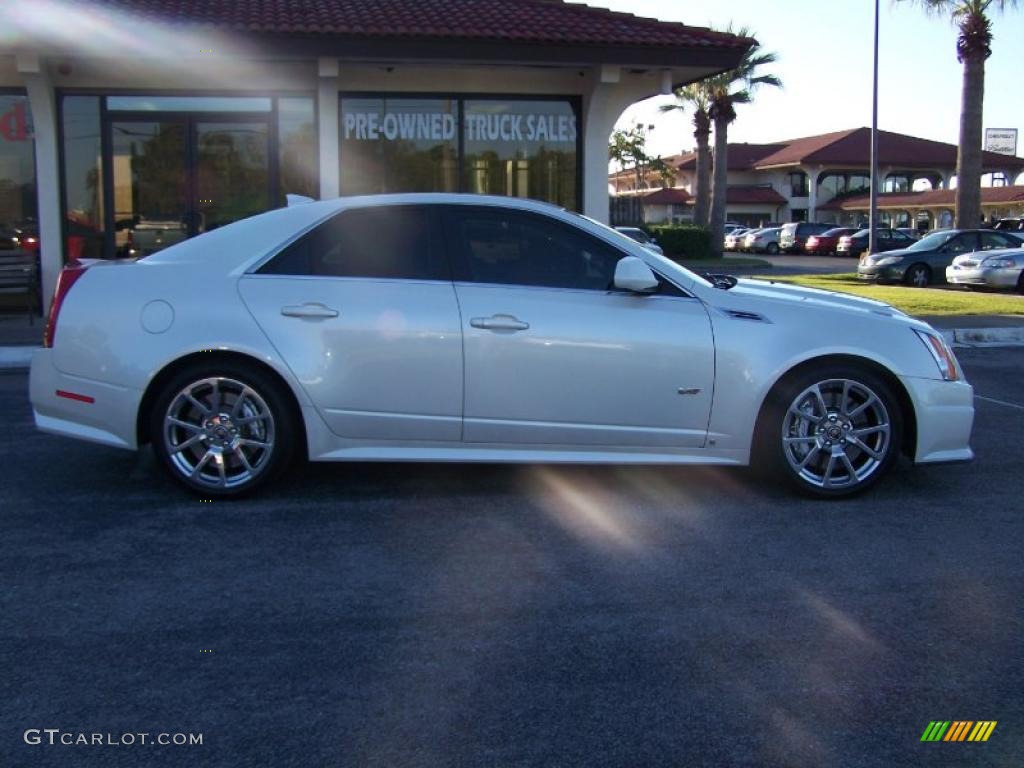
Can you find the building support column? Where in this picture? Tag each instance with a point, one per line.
(603, 104)
(812, 193)
(43, 103)
(327, 127)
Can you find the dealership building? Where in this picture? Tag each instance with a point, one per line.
(129, 125)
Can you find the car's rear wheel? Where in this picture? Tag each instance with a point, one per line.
(831, 432)
(1020, 283)
(918, 276)
(772, 249)
(222, 429)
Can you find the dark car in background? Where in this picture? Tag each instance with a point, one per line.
(885, 240)
(1015, 225)
(793, 236)
(826, 243)
(925, 261)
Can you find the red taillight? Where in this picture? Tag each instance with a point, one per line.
(67, 277)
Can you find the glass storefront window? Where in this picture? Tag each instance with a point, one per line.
(297, 148)
(398, 145)
(83, 177)
(521, 149)
(19, 229)
(188, 103)
(513, 147)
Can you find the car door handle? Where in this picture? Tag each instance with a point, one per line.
(309, 311)
(499, 323)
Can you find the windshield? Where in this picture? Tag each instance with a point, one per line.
(932, 241)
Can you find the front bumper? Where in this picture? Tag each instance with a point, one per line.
(892, 273)
(87, 409)
(990, 277)
(945, 416)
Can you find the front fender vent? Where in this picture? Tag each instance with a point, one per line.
(739, 314)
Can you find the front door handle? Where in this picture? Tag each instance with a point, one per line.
(499, 323)
(309, 311)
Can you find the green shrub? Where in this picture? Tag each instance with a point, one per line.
(684, 242)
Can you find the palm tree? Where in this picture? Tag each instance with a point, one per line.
(732, 87)
(695, 96)
(973, 46)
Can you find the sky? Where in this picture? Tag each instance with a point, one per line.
(824, 49)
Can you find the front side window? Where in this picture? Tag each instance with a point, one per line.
(513, 248)
(383, 242)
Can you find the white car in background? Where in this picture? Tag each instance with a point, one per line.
(445, 327)
(1001, 268)
(762, 240)
(648, 242)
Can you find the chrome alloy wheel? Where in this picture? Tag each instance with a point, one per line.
(219, 432)
(836, 434)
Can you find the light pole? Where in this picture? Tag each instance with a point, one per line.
(873, 205)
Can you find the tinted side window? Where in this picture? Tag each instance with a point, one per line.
(990, 240)
(379, 242)
(514, 248)
(963, 243)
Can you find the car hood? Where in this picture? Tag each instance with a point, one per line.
(769, 291)
(899, 252)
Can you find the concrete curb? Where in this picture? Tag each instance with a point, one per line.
(992, 337)
(16, 357)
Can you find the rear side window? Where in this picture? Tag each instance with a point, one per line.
(516, 248)
(384, 242)
(990, 240)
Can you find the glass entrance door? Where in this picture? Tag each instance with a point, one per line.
(151, 196)
(175, 176)
(232, 171)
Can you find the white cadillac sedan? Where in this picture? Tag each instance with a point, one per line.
(467, 328)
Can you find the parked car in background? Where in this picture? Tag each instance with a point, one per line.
(734, 240)
(732, 226)
(648, 242)
(997, 269)
(910, 232)
(762, 241)
(925, 261)
(793, 236)
(443, 327)
(1010, 225)
(825, 244)
(885, 240)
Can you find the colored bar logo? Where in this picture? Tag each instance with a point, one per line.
(958, 730)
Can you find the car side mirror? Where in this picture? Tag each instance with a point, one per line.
(632, 274)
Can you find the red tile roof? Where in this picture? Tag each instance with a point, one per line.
(853, 148)
(742, 157)
(670, 196)
(741, 195)
(924, 199)
(539, 21)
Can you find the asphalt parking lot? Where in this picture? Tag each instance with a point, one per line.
(423, 615)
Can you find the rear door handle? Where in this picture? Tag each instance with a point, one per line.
(309, 311)
(499, 323)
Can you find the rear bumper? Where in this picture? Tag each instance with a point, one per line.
(87, 409)
(945, 417)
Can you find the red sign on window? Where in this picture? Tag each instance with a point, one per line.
(13, 123)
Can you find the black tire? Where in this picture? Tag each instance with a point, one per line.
(918, 276)
(265, 416)
(772, 249)
(1020, 283)
(779, 446)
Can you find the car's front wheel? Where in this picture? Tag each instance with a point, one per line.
(918, 276)
(832, 432)
(222, 429)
